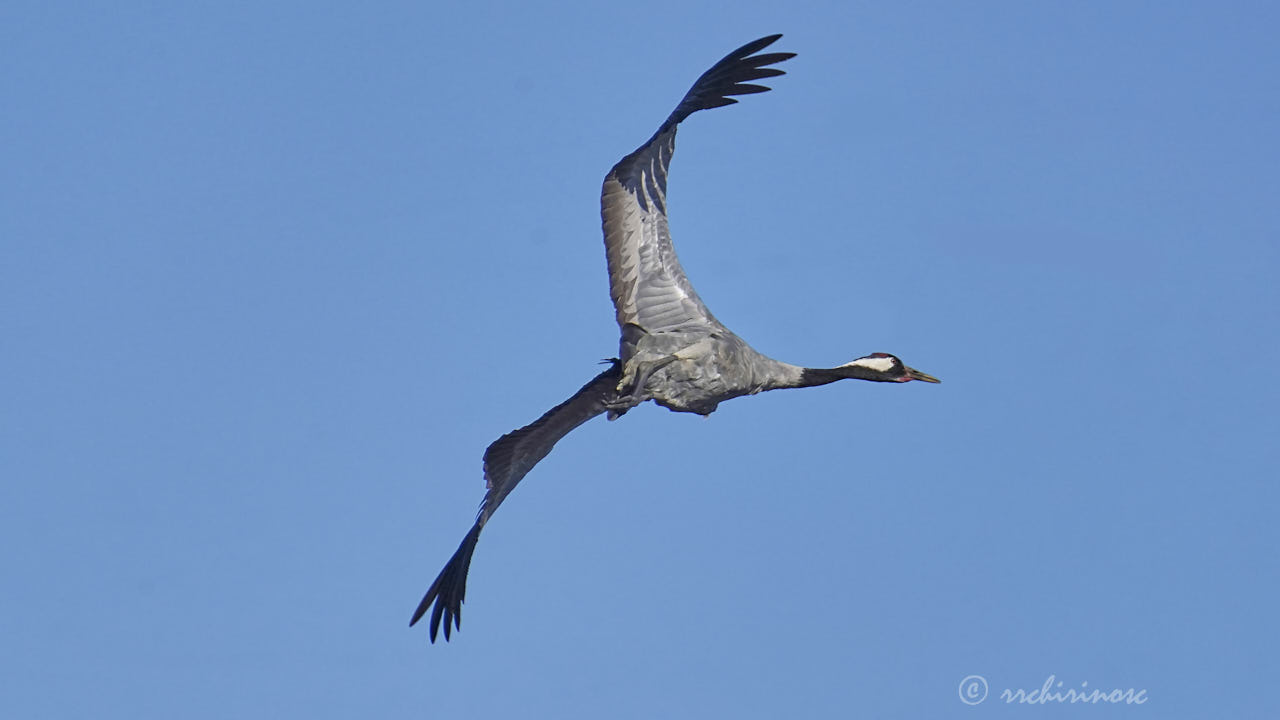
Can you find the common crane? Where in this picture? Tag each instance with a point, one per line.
(673, 350)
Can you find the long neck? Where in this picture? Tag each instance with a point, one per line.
(810, 377)
(779, 375)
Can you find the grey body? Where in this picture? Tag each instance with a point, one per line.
(672, 350)
(703, 368)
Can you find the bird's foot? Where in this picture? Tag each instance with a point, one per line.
(620, 405)
(631, 386)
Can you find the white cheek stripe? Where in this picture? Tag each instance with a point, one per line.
(873, 363)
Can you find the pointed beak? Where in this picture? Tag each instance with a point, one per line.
(913, 374)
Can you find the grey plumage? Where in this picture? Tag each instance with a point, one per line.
(672, 349)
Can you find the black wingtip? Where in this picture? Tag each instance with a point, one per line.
(755, 46)
(730, 76)
(644, 172)
(449, 590)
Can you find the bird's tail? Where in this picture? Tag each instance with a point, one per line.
(449, 589)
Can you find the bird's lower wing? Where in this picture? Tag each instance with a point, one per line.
(506, 462)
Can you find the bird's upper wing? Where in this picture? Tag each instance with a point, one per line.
(648, 286)
(506, 462)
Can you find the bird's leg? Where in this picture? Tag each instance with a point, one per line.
(644, 370)
(635, 394)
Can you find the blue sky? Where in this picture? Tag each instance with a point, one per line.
(273, 276)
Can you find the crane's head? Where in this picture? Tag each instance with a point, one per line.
(883, 367)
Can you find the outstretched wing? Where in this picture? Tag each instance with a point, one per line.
(506, 462)
(648, 286)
